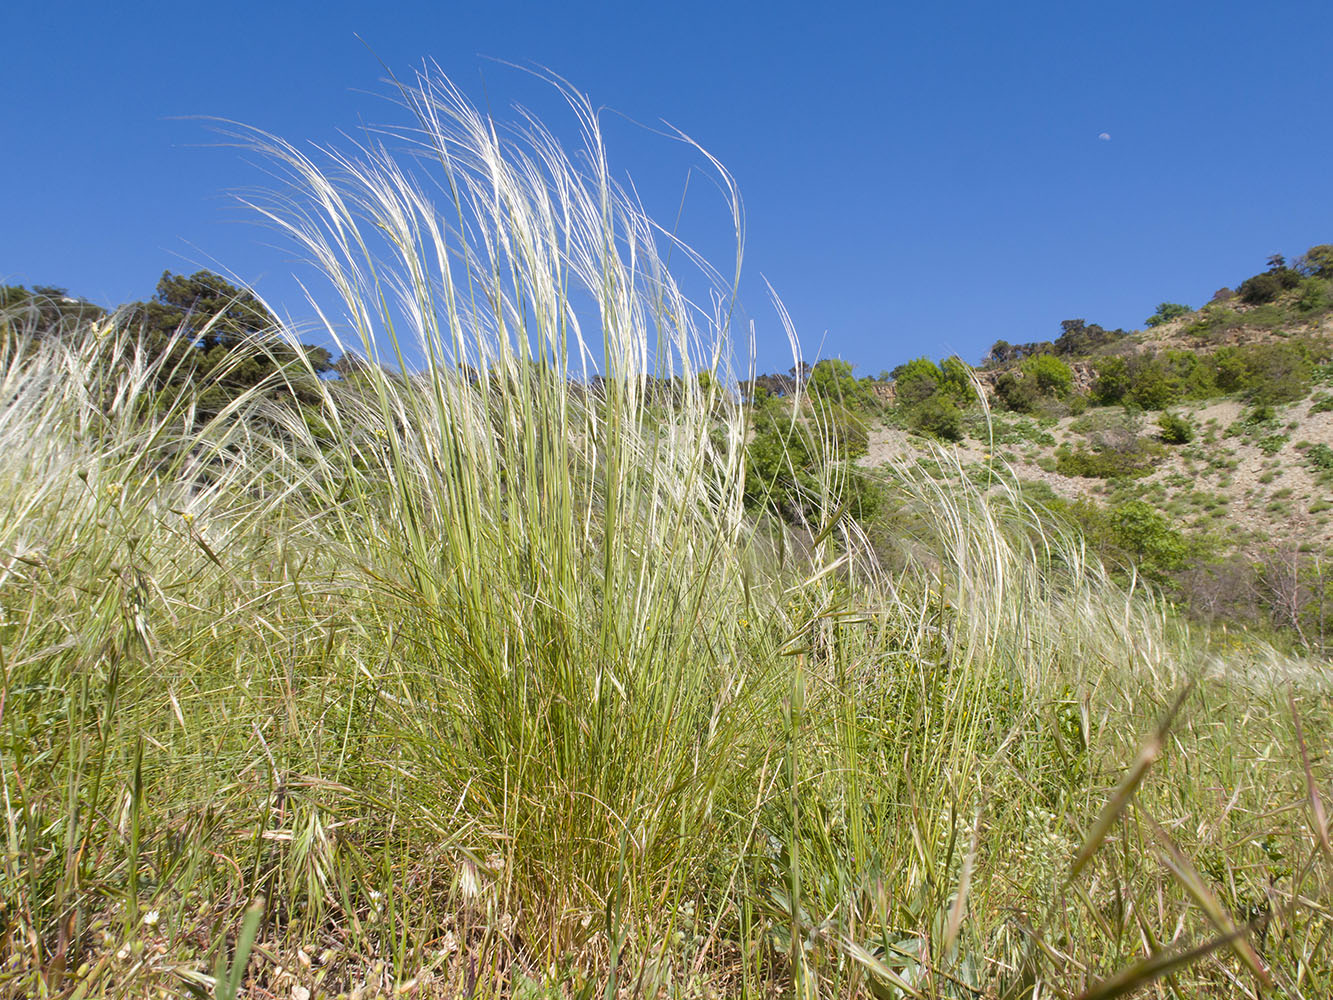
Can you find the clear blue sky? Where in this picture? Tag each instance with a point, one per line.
(918, 178)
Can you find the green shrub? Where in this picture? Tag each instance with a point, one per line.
(1053, 376)
(917, 380)
(1317, 261)
(784, 458)
(1315, 295)
(1175, 429)
(1272, 443)
(1039, 379)
(1320, 458)
(937, 416)
(1266, 287)
(1154, 381)
(1277, 373)
(1148, 536)
(1152, 389)
(1108, 464)
(832, 382)
(1229, 370)
(1166, 312)
(1113, 381)
(930, 396)
(1322, 404)
(1017, 393)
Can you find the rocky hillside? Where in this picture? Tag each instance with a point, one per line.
(1198, 450)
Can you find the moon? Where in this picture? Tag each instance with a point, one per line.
(1104, 136)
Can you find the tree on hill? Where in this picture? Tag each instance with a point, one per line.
(50, 310)
(1317, 262)
(917, 380)
(1040, 378)
(223, 340)
(1265, 287)
(930, 395)
(831, 380)
(1166, 312)
(1078, 337)
(1053, 376)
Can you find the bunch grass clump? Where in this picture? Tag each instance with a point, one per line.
(479, 676)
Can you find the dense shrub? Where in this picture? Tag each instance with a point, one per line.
(831, 381)
(1106, 464)
(917, 380)
(1151, 386)
(1175, 429)
(783, 458)
(1316, 295)
(1317, 261)
(1016, 393)
(1265, 373)
(1113, 380)
(931, 396)
(1266, 287)
(1277, 373)
(1148, 537)
(1166, 312)
(1154, 381)
(1053, 376)
(1229, 369)
(1039, 378)
(938, 416)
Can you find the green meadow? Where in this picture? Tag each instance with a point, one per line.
(485, 670)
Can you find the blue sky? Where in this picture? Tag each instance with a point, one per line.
(918, 178)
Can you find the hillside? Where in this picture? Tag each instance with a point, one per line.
(1211, 430)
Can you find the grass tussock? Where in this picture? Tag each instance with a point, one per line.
(484, 680)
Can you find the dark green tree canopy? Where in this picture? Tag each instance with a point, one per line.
(1077, 337)
(1166, 312)
(1268, 285)
(223, 339)
(50, 310)
(1317, 262)
(203, 307)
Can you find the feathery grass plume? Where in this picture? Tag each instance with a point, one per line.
(556, 500)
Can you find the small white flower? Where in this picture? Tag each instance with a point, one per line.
(151, 918)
